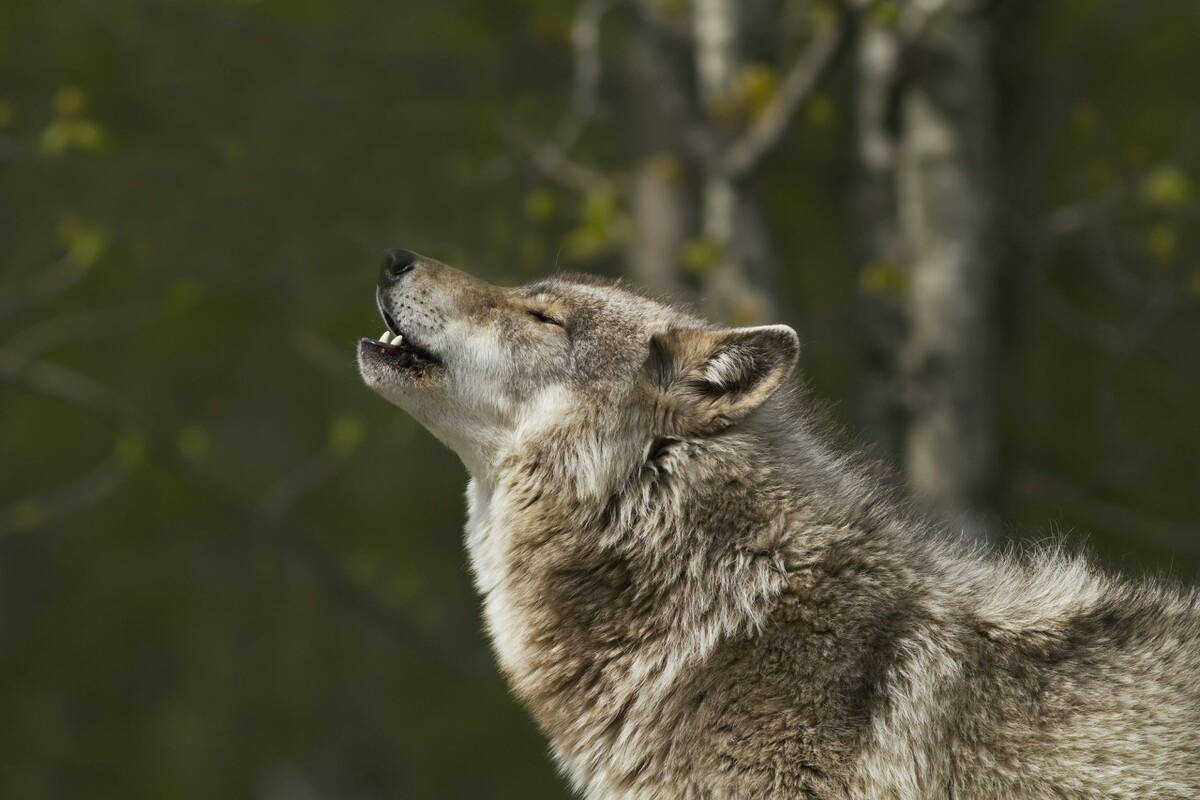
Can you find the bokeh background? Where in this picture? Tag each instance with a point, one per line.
(228, 570)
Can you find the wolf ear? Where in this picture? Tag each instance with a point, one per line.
(709, 379)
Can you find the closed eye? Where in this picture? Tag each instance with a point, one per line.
(543, 317)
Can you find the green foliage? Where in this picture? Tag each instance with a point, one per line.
(221, 176)
(821, 111)
(345, 434)
(1167, 188)
(1085, 119)
(883, 279)
(884, 14)
(702, 254)
(193, 442)
(602, 224)
(83, 241)
(1162, 242)
(751, 91)
(130, 449)
(541, 205)
(71, 129)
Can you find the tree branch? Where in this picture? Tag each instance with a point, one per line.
(94, 486)
(549, 160)
(802, 80)
(695, 134)
(64, 274)
(585, 91)
(550, 157)
(65, 384)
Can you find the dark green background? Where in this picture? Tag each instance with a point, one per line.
(270, 599)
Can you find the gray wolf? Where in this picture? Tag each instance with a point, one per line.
(698, 593)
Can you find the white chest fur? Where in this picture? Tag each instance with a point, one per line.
(487, 548)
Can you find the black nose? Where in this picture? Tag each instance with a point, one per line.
(396, 262)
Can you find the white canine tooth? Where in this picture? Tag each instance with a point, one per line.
(398, 340)
(385, 337)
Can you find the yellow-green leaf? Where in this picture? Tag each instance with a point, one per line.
(821, 112)
(131, 448)
(55, 139)
(823, 17)
(7, 113)
(665, 166)
(748, 310)
(600, 205)
(540, 205)
(193, 442)
(26, 515)
(87, 136)
(1193, 283)
(345, 434)
(70, 102)
(884, 14)
(64, 135)
(757, 84)
(701, 254)
(883, 278)
(533, 250)
(1101, 175)
(1163, 242)
(1085, 119)
(184, 294)
(1167, 187)
(84, 241)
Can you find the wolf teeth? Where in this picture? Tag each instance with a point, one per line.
(387, 338)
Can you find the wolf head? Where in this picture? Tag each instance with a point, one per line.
(485, 367)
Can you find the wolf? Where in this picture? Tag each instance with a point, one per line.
(698, 592)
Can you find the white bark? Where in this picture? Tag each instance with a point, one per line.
(736, 288)
(945, 198)
(715, 26)
(877, 56)
(926, 159)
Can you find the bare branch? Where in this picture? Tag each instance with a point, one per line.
(334, 361)
(64, 274)
(65, 384)
(279, 500)
(585, 41)
(274, 511)
(35, 512)
(798, 86)
(696, 135)
(653, 17)
(66, 328)
(548, 159)
(919, 16)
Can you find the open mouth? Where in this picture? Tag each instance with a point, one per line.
(399, 349)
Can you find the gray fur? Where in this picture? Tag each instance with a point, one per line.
(698, 594)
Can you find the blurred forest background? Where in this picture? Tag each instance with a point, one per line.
(228, 570)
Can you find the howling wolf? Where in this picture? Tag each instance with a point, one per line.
(698, 595)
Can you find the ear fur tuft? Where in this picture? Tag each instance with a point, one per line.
(709, 379)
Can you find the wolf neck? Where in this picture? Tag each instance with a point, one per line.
(604, 596)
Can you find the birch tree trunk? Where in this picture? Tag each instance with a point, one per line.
(925, 115)
(739, 287)
(946, 186)
(663, 209)
(881, 312)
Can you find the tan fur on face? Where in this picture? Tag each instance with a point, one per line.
(697, 594)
